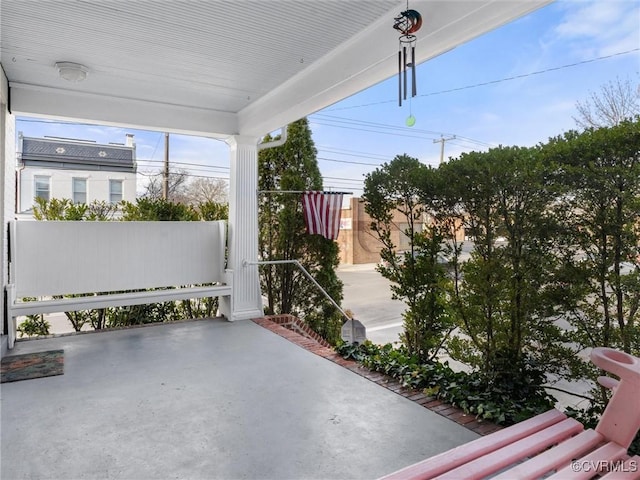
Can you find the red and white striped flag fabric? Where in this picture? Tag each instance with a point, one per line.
(322, 213)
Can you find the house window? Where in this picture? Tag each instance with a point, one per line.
(42, 187)
(79, 190)
(115, 191)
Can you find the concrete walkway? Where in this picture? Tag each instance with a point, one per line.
(208, 399)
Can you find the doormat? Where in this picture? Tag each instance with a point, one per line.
(32, 365)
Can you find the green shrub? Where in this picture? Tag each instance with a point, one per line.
(34, 325)
(503, 400)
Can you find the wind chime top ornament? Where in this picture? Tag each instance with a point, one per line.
(407, 23)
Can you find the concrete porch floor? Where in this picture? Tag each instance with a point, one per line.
(207, 399)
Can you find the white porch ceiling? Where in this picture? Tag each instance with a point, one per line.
(218, 67)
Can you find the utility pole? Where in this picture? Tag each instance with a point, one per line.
(441, 142)
(165, 173)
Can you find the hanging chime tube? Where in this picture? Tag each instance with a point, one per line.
(413, 71)
(404, 69)
(399, 78)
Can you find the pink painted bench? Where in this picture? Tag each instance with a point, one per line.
(551, 445)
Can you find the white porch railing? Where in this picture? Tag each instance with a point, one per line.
(84, 258)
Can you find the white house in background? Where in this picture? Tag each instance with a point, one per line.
(80, 170)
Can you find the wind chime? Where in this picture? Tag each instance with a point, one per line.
(407, 23)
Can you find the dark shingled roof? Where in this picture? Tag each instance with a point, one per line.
(77, 155)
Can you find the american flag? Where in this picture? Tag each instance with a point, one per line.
(322, 213)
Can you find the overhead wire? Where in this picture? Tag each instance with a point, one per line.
(159, 174)
(356, 153)
(367, 130)
(383, 126)
(221, 167)
(492, 82)
(373, 124)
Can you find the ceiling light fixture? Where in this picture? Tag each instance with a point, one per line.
(72, 72)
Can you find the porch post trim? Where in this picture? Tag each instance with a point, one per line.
(246, 301)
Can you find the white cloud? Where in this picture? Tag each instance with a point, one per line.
(598, 28)
(589, 19)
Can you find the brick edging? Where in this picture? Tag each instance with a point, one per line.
(286, 327)
(293, 323)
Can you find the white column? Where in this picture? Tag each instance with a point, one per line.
(246, 300)
(7, 186)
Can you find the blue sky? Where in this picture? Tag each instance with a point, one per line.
(558, 55)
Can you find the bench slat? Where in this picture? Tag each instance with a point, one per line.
(460, 455)
(555, 457)
(514, 452)
(117, 299)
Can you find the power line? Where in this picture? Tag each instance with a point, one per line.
(352, 180)
(492, 82)
(375, 124)
(153, 154)
(185, 163)
(471, 140)
(381, 127)
(349, 162)
(159, 174)
(353, 153)
(356, 182)
(353, 125)
(459, 144)
(367, 130)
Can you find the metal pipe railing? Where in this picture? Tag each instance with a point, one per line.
(307, 274)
